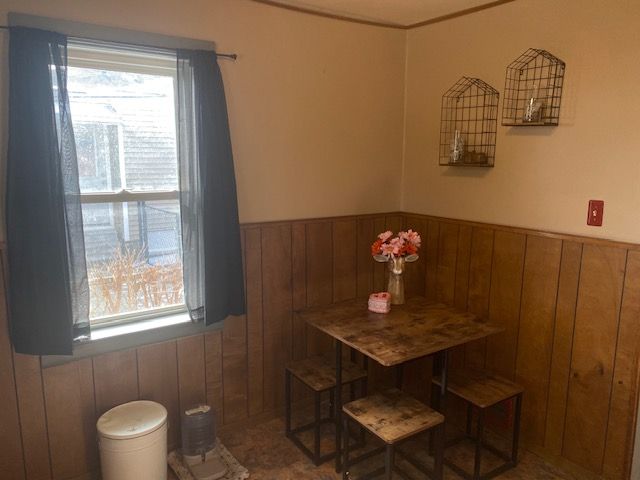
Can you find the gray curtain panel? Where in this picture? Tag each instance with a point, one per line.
(47, 288)
(213, 275)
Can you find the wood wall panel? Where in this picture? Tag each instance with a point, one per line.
(447, 260)
(430, 247)
(624, 394)
(234, 360)
(379, 269)
(592, 361)
(319, 269)
(319, 241)
(192, 381)
(299, 288)
(461, 288)
(570, 319)
(158, 381)
(480, 262)
(277, 309)
(504, 301)
(35, 440)
(562, 345)
(11, 455)
(394, 222)
(115, 377)
(364, 263)
(71, 416)
(255, 324)
(463, 259)
(344, 238)
(535, 337)
(213, 373)
(234, 367)
(299, 330)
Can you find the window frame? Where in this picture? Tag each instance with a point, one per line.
(83, 53)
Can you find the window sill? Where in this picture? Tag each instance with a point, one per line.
(131, 335)
(103, 332)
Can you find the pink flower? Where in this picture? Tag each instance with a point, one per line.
(400, 245)
(397, 244)
(387, 249)
(385, 235)
(412, 237)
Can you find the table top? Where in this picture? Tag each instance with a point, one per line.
(413, 330)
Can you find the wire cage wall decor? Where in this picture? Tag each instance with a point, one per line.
(468, 124)
(533, 89)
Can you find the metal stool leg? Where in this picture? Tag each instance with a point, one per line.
(435, 404)
(388, 462)
(516, 430)
(399, 376)
(364, 390)
(287, 401)
(352, 385)
(316, 430)
(435, 397)
(345, 464)
(438, 454)
(332, 403)
(365, 384)
(362, 429)
(476, 465)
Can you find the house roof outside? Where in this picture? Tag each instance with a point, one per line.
(128, 133)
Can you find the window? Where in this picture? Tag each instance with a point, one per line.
(123, 110)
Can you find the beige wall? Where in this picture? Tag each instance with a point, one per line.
(316, 108)
(315, 105)
(543, 177)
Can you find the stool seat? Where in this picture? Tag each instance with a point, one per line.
(319, 372)
(481, 389)
(392, 415)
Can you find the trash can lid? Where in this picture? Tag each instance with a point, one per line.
(131, 420)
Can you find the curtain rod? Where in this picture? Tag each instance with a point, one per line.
(232, 56)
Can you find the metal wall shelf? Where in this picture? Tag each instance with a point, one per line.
(533, 90)
(468, 124)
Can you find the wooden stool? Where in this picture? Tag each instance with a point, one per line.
(319, 374)
(483, 390)
(393, 416)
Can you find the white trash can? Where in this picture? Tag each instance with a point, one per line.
(133, 442)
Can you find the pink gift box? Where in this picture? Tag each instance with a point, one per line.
(380, 302)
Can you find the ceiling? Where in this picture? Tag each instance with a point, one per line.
(399, 13)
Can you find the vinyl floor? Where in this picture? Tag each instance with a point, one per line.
(268, 455)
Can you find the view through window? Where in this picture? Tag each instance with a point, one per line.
(123, 112)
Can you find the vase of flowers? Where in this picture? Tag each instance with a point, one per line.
(396, 251)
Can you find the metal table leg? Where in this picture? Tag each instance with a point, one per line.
(444, 371)
(438, 396)
(440, 368)
(338, 406)
(399, 376)
(478, 454)
(388, 462)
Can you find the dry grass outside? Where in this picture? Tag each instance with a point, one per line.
(127, 283)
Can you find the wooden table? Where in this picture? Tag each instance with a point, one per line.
(416, 329)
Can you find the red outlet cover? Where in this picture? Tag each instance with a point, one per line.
(596, 212)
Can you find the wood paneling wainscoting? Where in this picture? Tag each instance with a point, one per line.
(570, 307)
